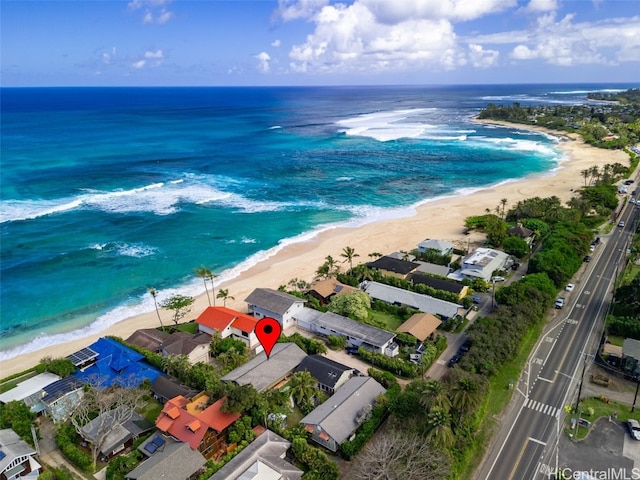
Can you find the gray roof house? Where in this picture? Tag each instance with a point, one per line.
(399, 296)
(167, 458)
(16, 457)
(481, 264)
(357, 333)
(443, 247)
(329, 374)
(266, 302)
(148, 338)
(335, 420)
(264, 458)
(31, 391)
(120, 435)
(631, 348)
(165, 388)
(432, 269)
(264, 373)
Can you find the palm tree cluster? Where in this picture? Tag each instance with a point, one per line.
(207, 275)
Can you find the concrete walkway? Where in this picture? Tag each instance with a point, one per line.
(50, 454)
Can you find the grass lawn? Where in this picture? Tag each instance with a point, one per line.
(191, 327)
(151, 409)
(600, 409)
(13, 381)
(615, 340)
(391, 321)
(294, 417)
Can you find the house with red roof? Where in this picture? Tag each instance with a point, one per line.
(202, 426)
(229, 323)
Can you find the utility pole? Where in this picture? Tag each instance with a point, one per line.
(636, 396)
(584, 368)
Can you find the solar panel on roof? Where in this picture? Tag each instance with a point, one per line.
(2, 454)
(150, 447)
(338, 288)
(82, 356)
(158, 441)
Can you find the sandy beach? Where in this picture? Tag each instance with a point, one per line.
(439, 219)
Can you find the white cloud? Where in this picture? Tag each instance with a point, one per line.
(263, 61)
(395, 11)
(568, 43)
(295, 9)
(154, 10)
(481, 58)
(542, 6)
(139, 64)
(164, 17)
(157, 54)
(275, 43)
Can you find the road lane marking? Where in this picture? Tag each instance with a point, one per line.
(521, 453)
(544, 444)
(545, 379)
(540, 407)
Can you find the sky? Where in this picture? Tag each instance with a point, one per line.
(317, 42)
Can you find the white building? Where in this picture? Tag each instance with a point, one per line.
(265, 302)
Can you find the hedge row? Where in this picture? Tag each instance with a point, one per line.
(66, 441)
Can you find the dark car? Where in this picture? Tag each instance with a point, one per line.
(476, 299)
(596, 241)
(352, 350)
(628, 182)
(587, 258)
(464, 348)
(455, 359)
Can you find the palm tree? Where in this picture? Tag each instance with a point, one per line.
(504, 202)
(211, 277)
(466, 395)
(223, 293)
(373, 255)
(585, 174)
(434, 395)
(204, 273)
(332, 266)
(349, 253)
(302, 387)
(154, 293)
(439, 428)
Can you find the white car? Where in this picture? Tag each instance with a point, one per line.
(560, 302)
(497, 278)
(569, 287)
(634, 428)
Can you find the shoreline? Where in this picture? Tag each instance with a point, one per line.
(441, 218)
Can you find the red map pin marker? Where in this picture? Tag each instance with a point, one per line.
(268, 331)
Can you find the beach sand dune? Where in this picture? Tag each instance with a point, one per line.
(439, 219)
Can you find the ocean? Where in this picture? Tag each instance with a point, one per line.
(106, 192)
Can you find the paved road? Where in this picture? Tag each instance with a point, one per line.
(526, 446)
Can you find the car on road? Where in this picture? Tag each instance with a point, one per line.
(628, 182)
(621, 223)
(634, 428)
(560, 302)
(455, 359)
(587, 258)
(497, 278)
(592, 247)
(569, 287)
(475, 299)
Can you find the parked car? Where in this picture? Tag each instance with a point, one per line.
(596, 241)
(455, 359)
(628, 182)
(352, 350)
(587, 258)
(634, 428)
(497, 278)
(560, 302)
(476, 299)
(621, 223)
(569, 287)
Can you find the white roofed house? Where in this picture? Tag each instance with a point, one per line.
(443, 247)
(481, 264)
(17, 458)
(266, 302)
(31, 391)
(335, 420)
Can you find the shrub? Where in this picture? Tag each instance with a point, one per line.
(336, 342)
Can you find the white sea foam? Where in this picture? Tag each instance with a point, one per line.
(157, 198)
(517, 144)
(248, 240)
(388, 125)
(344, 179)
(584, 92)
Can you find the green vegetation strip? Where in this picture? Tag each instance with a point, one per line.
(601, 408)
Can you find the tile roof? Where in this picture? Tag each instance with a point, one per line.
(183, 419)
(219, 318)
(272, 300)
(331, 286)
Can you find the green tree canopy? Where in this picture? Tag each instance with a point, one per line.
(354, 305)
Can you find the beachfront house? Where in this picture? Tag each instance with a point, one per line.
(31, 391)
(481, 264)
(522, 232)
(266, 302)
(393, 267)
(264, 458)
(148, 338)
(229, 323)
(358, 334)
(335, 420)
(423, 303)
(60, 397)
(196, 422)
(264, 373)
(329, 375)
(17, 458)
(166, 458)
(195, 347)
(432, 269)
(441, 247)
(325, 290)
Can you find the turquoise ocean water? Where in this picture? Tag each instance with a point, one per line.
(108, 191)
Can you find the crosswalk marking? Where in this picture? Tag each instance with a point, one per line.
(543, 408)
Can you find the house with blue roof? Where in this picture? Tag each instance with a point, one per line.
(116, 365)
